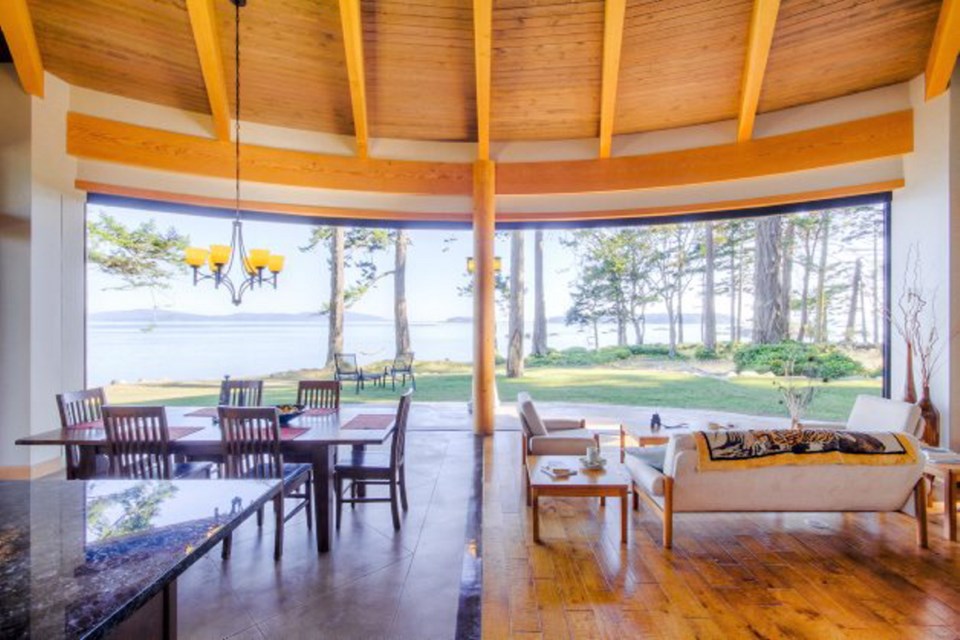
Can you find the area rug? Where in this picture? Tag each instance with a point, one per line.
(729, 450)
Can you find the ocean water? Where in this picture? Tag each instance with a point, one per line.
(129, 351)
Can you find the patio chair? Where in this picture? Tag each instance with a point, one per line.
(365, 469)
(251, 445)
(139, 444)
(241, 393)
(345, 368)
(402, 366)
(79, 408)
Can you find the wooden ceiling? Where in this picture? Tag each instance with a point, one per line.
(681, 61)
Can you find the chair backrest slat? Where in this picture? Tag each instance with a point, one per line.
(138, 440)
(324, 394)
(398, 445)
(251, 442)
(78, 407)
(241, 393)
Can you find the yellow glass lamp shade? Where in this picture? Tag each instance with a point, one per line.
(259, 258)
(213, 265)
(195, 256)
(497, 264)
(472, 264)
(275, 264)
(249, 268)
(219, 253)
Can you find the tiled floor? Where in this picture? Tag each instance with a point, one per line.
(375, 583)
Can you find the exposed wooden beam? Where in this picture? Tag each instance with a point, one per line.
(112, 141)
(857, 141)
(17, 28)
(203, 21)
(944, 50)
(484, 298)
(762, 24)
(613, 17)
(483, 51)
(353, 45)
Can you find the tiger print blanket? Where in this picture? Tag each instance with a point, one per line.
(728, 450)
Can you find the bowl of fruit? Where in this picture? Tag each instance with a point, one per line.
(289, 411)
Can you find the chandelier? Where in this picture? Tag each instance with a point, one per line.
(256, 266)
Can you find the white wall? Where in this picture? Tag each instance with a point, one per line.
(925, 217)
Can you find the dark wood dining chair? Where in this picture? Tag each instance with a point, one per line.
(402, 366)
(319, 394)
(365, 469)
(241, 393)
(251, 447)
(80, 408)
(138, 441)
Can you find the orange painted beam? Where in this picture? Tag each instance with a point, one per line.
(867, 139)
(613, 17)
(944, 50)
(206, 36)
(18, 31)
(484, 301)
(482, 59)
(762, 24)
(112, 141)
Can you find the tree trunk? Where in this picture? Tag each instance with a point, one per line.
(821, 333)
(515, 343)
(864, 338)
(400, 322)
(539, 303)
(335, 334)
(786, 285)
(596, 335)
(805, 293)
(680, 319)
(668, 302)
(876, 286)
(739, 322)
(767, 314)
(709, 310)
(854, 300)
(733, 292)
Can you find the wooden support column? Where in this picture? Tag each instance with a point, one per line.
(484, 373)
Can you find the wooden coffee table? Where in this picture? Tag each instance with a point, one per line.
(613, 481)
(950, 475)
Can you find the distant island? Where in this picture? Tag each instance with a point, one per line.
(162, 315)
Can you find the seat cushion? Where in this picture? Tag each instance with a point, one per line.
(644, 476)
(363, 460)
(572, 442)
(652, 456)
(190, 470)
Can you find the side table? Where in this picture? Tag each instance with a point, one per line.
(949, 473)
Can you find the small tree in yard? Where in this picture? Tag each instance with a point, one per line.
(142, 257)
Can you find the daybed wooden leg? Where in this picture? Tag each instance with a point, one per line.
(667, 513)
(920, 505)
(623, 444)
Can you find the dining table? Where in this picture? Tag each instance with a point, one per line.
(195, 435)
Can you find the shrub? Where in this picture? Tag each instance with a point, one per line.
(813, 360)
(702, 353)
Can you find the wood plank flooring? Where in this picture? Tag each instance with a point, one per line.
(728, 575)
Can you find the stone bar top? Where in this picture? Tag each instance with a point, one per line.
(79, 557)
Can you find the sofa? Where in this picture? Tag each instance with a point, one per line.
(668, 480)
(550, 436)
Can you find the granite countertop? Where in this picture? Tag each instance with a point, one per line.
(78, 557)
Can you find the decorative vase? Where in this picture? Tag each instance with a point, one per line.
(909, 387)
(931, 419)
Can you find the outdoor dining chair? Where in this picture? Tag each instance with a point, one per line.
(251, 446)
(346, 369)
(402, 366)
(138, 440)
(365, 469)
(78, 409)
(241, 393)
(319, 394)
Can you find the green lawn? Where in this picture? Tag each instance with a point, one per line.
(599, 385)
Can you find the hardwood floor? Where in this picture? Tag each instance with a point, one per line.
(728, 575)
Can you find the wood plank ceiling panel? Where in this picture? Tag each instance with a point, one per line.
(293, 63)
(681, 64)
(828, 48)
(141, 49)
(420, 71)
(547, 65)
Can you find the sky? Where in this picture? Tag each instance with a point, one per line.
(436, 267)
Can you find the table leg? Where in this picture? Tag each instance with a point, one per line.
(536, 515)
(950, 506)
(323, 495)
(87, 463)
(623, 517)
